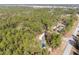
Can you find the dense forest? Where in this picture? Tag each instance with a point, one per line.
(19, 27)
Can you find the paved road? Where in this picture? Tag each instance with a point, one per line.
(69, 46)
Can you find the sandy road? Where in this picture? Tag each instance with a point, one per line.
(69, 46)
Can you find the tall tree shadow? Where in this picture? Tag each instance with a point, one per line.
(75, 44)
(72, 43)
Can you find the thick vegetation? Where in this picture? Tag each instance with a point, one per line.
(20, 25)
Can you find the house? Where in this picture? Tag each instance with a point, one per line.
(59, 27)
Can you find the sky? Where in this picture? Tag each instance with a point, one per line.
(39, 1)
